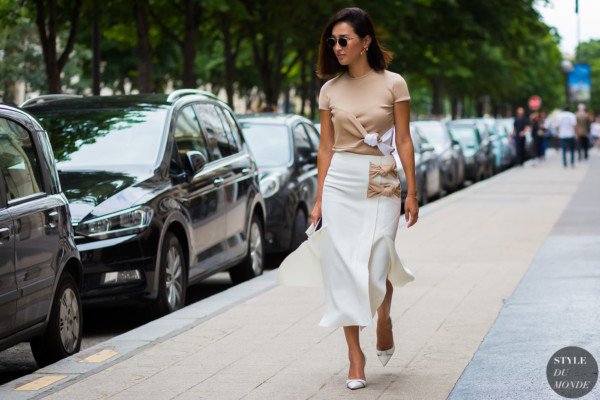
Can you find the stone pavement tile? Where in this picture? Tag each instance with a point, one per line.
(112, 381)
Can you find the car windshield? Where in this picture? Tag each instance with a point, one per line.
(465, 135)
(105, 139)
(270, 144)
(434, 133)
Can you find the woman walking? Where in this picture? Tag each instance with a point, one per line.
(363, 110)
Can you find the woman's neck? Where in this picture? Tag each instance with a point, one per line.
(359, 68)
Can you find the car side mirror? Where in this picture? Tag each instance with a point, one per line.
(313, 157)
(455, 142)
(196, 161)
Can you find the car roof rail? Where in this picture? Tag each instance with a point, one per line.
(48, 97)
(177, 94)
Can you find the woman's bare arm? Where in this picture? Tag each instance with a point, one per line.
(406, 153)
(324, 159)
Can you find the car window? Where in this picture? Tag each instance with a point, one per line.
(82, 137)
(19, 163)
(313, 135)
(188, 135)
(434, 132)
(218, 143)
(301, 140)
(465, 135)
(269, 143)
(233, 133)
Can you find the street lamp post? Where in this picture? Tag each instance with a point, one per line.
(566, 66)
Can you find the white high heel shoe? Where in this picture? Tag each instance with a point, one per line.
(354, 384)
(385, 355)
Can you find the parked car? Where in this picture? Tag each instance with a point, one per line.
(448, 150)
(163, 190)
(317, 126)
(427, 168)
(508, 126)
(40, 270)
(473, 147)
(285, 147)
(500, 145)
(487, 139)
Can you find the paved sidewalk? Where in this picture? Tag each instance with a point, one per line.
(555, 305)
(468, 252)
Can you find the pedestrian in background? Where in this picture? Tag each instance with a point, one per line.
(521, 125)
(358, 195)
(582, 131)
(546, 131)
(566, 123)
(537, 135)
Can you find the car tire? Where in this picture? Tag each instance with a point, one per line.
(423, 196)
(254, 262)
(172, 283)
(298, 230)
(62, 337)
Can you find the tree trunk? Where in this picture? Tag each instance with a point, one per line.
(303, 86)
(312, 95)
(190, 41)
(269, 62)
(96, 10)
(144, 49)
(229, 56)
(454, 107)
(48, 32)
(436, 101)
(479, 106)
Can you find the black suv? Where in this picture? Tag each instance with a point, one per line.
(163, 192)
(40, 271)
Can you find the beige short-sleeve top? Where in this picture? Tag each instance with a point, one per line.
(362, 105)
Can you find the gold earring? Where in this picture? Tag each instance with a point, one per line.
(362, 53)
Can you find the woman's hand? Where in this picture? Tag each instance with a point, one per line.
(411, 210)
(315, 215)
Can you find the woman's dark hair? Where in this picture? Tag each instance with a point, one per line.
(378, 57)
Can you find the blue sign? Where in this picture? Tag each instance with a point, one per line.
(580, 83)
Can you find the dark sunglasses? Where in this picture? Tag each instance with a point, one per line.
(342, 41)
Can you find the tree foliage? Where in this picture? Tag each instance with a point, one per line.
(458, 56)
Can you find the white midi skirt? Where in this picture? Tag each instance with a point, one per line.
(361, 211)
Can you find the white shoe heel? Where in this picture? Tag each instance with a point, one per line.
(385, 355)
(354, 384)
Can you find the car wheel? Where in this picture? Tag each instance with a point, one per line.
(62, 337)
(254, 263)
(172, 284)
(298, 230)
(424, 197)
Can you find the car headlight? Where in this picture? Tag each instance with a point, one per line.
(272, 183)
(131, 220)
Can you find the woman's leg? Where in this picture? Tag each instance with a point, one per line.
(355, 354)
(385, 337)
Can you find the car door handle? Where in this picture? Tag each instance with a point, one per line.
(4, 235)
(246, 171)
(218, 181)
(53, 219)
